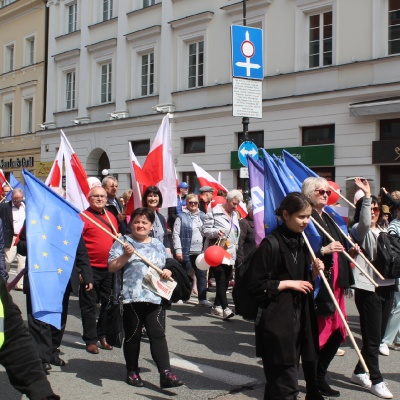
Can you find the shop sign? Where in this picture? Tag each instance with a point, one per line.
(23, 162)
(386, 152)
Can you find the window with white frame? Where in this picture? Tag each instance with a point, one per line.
(107, 9)
(30, 50)
(148, 3)
(106, 83)
(70, 90)
(320, 39)
(8, 118)
(147, 74)
(394, 27)
(9, 57)
(196, 64)
(72, 17)
(28, 111)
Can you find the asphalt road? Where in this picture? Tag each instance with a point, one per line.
(214, 358)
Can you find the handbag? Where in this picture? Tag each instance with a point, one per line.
(324, 306)
(115, 334)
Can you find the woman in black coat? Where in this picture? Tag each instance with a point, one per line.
(286, 326)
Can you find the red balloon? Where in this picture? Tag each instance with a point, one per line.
(217, 200)
(214, 255)
(333, 198)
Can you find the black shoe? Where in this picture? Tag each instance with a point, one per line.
(169, 380)
(315, 396)
(56, 360)
(133, 378)
(326, 390)
(46, 368)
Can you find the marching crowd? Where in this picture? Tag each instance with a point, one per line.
(296, 319)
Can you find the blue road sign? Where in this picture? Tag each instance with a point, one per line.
(247, 149)
(247, 52)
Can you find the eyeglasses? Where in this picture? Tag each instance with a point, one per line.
(193, 203)
(322, 192)
(375, 209)
(99, 196)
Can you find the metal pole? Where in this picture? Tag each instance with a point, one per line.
(244, 13)
(245, 120)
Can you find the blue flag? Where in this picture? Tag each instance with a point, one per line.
(256, 175)
(340, 221)
(14, 184)
(53, 231)
(300, 171)
(294, 183)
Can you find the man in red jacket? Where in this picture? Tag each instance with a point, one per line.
(98, 244)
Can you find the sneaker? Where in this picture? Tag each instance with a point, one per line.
(340, 352)
(362, 380)
(381, 390)
(384, 349)
(217, 311)
(169, 380)
(395, 346)
(228, 313)
(205, 303)
(133, 378)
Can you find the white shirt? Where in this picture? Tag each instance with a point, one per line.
(18, 218)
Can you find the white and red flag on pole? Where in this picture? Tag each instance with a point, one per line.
(136, 199)
(55, 176)
(3, 180)
(77, 184)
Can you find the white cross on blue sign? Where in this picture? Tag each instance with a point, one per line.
(247, 52)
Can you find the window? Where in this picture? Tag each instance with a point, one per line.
(194, 145)
(106, 83)
(140, 147)
(4, 3)
(148, 3)
(9, 119)
(196, 64)
(394, 27)
(147, 74)
(389, 129)
(30, 50)
(320, 39)
(9, 61)
(107, 9)
(29, 115)
(322, 134)
(72, 17)
(256, 137)
(70, 90)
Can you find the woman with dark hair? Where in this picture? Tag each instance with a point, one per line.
(373, 304)
(332, 331)
(153, 199)
(286, 326)
(142, 306)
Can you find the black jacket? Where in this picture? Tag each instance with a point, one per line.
(8, 224)
(184, 287)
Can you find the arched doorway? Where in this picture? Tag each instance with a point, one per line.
(96, 162)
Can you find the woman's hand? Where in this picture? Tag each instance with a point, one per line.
(363, 185)
(332, 247)
(317, 265)
(299, 286)
(128, 249)
(166, 274)
(179, 257)
(354, 251)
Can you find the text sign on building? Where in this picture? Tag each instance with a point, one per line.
(247, 98)
(247, 52)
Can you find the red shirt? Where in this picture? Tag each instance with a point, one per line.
(98, 242)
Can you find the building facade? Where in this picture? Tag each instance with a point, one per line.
(330, 93)
(22, 83)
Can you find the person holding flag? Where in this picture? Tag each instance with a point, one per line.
(332, 331)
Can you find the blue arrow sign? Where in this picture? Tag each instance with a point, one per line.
(247, 52)
(247, 149)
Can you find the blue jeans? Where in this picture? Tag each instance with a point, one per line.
(392, 333)
(201, 277)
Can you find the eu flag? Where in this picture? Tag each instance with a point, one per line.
(53, 229)
(301, 171)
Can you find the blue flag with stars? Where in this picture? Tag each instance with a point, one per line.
(53, 230)
(15, 185)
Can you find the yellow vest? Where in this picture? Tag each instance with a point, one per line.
(1, 324)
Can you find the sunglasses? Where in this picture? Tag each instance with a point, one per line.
(193, 203)
(322, 192)
(375, 209)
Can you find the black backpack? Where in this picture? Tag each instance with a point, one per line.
(245, 303)
(388, 255)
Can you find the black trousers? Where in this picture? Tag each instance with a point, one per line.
(327, 353)
(222, 275)
(374, 309)
(102, 286)
(18, 354)
(152, 316)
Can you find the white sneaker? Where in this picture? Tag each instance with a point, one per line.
(362, 380)
(228, 313)
(384, 349)
(205, 303)
(217, 311)
(340, 352)
(381, 390)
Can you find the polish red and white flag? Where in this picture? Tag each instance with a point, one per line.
(136, 199)
(76, 178)
(55, 176)
(3, 180)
